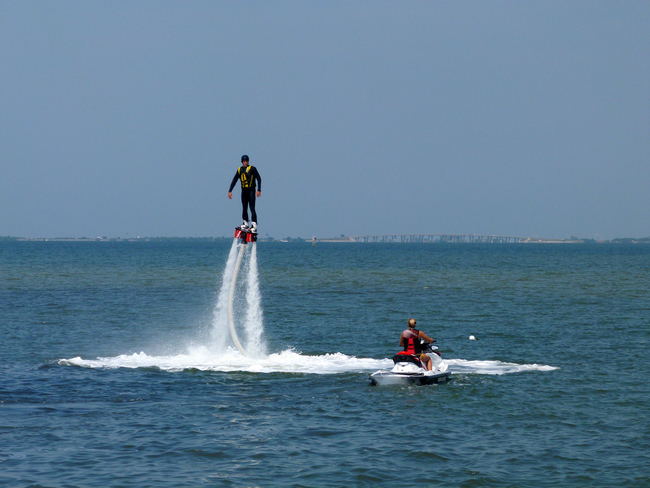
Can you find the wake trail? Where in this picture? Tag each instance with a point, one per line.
(288, 361)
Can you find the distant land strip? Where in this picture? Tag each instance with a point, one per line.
(387, 238)
(472, 238)
(114, 239)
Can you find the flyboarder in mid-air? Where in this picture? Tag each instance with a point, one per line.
(248, 176)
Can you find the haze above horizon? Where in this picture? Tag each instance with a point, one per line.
(509, 118)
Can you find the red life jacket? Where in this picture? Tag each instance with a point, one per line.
(412, 341)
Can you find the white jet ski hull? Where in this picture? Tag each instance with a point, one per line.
(409, 370)
(383, 378)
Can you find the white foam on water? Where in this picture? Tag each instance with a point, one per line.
(289, 361)
(203, 359)
(493, 367)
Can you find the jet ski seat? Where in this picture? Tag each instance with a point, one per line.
(404, 357)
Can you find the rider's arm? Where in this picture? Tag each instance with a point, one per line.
(425, 337)
(234, 182)
(259, 180)
(401, 339)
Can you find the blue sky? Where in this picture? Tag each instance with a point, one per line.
(515, 118)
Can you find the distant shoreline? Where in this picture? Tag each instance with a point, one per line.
(341, 239)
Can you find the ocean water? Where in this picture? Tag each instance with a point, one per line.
(117, 368)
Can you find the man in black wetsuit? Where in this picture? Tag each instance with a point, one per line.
(248, 176)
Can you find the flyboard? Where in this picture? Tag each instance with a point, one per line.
(247, 236)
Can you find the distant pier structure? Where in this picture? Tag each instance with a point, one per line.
(451, 238)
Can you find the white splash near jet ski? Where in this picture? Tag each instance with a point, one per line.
(408, 369)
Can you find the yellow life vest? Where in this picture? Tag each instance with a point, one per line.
(247, 180)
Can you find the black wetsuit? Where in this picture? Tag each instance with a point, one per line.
(248, 176)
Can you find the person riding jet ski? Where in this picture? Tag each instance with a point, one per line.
(410, 340)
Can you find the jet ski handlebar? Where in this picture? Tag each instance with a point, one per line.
(428, 346)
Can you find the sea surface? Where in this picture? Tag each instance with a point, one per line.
(117, 367)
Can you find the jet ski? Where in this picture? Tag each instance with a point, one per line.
(409, 370)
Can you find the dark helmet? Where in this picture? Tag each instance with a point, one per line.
(244, 158)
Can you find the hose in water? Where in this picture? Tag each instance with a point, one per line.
(233, 283)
